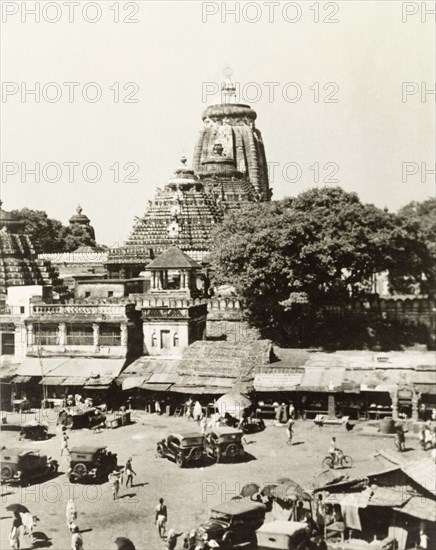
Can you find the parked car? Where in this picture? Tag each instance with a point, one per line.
(182, 448)
(75, 417)
(231, 523)
(283, 535)
(90, 463)
(221, 443)
(23, 465)
(33, 431)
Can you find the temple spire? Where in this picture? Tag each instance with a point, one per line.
(228, 88)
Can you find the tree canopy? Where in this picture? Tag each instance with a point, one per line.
(322, 247)
(50, 235)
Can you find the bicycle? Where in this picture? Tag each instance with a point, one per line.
(341, 460)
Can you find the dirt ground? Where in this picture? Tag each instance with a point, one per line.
(189, 492)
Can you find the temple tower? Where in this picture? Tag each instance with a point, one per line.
(229, 157)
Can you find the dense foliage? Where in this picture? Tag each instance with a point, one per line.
(49, 235)
(290, 259)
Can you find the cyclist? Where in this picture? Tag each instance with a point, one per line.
(334, 452)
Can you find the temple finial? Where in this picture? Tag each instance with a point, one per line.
(228, 88)
(79, 209)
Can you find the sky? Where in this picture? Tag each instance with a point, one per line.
(342, 91)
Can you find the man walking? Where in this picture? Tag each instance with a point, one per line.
(64, 442)
(161, 518)
(129, 472)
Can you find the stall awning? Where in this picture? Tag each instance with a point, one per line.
(156, 387)
(277, 381)
(74, 381)
(52, 380)
(133, 382)
(322, 379)
(22, 379)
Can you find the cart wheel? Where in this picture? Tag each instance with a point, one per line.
(160, 451)
(327, 462)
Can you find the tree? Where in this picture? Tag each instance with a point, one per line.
(290, 259)
(422, 217)
(75, 236)
(44, 232)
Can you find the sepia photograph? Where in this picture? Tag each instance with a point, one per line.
(217, 275)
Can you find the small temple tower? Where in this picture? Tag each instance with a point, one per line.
(229, 156)
(80, 219)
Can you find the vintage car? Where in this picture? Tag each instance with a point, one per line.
(231, 523)
(91, 464)
(33, 430)
(78, 417)
(283, 535)
(221, 443)
(182, 448)
(23, 465)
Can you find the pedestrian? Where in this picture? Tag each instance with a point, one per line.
(188, 407)
(14, 535)
(76, 539)
(203, 424)
(64, 442)
(161, 518)
(423, 539)
(157, 407)
(129, 472)
(197, 411)
(114, 478)
(71, 514)
(291, 411)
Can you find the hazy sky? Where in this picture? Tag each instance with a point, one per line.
(362, 61)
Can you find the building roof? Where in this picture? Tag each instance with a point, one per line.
(173, 258)
(423, 473)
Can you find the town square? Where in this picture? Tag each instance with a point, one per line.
(217, 276)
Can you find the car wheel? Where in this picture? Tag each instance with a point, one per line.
(179, 460)
(68, 422)
(228, 542)
(160, 451)
(6, 473)
(80, 469)
(232, 451)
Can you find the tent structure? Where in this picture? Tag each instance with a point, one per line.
(233, 403)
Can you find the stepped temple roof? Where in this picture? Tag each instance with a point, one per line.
(19, 265)
(181, 215)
